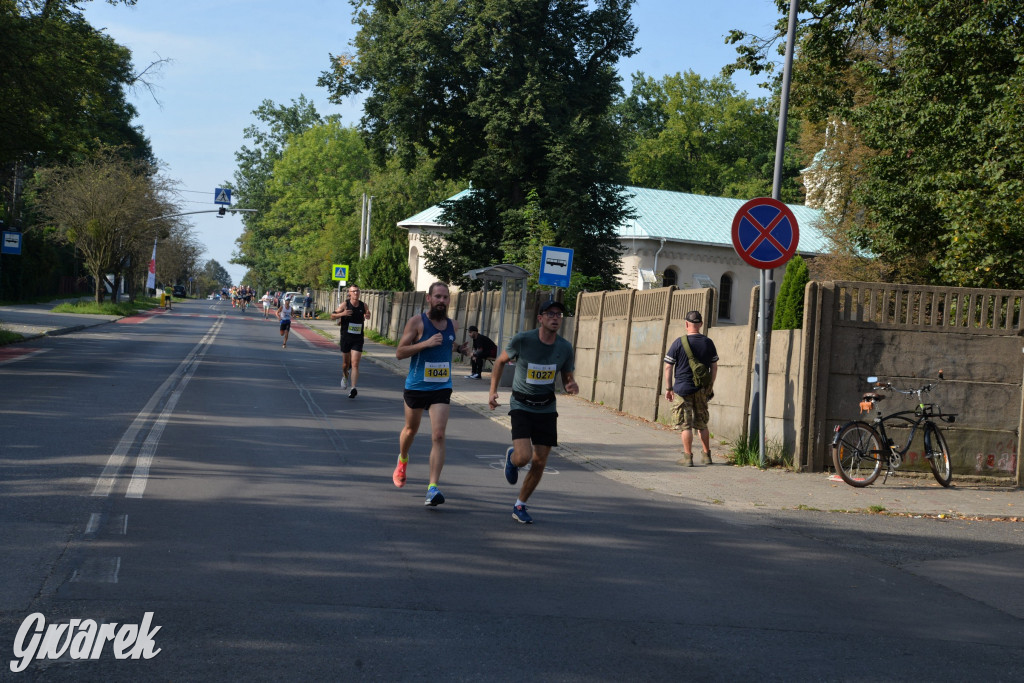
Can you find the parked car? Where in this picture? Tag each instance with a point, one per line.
(179, 291)
(298, 302)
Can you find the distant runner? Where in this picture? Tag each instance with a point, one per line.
(351, 316)
(284, 314)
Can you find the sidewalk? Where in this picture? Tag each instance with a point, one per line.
(642, 454)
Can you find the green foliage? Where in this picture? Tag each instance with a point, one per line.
(690, 134)
(106, 206)
(277, 124)
(8, 337)
(314, 218)
(123, 308)
(582, 283)
(746, 452)
(512, 94)
(789, 305)
(527, 232)
(63, 87)
(932, 93)
(474, 240)
(386, 268)
(217, 273)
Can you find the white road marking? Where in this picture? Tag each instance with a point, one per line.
(108, 477)
(140, 477)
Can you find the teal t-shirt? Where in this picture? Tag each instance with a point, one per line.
(537, 366)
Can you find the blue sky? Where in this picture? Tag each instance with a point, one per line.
(230, 55)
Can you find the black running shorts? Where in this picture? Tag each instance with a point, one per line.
(421, 400)
(540, 428)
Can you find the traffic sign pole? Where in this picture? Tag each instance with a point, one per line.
(765, 235)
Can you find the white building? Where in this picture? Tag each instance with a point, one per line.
(677, 239)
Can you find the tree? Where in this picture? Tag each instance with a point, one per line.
(63, 85)
(690, 134)
(63, 89)
(313, 220)
(106, 207)
(212, 276)
(255, 169)
(217, 273)
(789, 306)
(398, 193)
(512, 94)
(386, 268)
(929, 96)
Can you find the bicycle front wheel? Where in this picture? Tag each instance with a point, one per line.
(938, 454)
(857, 454)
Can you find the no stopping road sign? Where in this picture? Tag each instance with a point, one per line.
(765, 233)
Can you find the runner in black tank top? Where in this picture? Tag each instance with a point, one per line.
(351, 316)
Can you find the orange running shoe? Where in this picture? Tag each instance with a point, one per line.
(399, 476)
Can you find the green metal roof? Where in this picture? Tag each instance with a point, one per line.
(704, 220)
(430, 217)
(677, 216)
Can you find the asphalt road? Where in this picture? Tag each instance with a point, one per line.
(189, 466)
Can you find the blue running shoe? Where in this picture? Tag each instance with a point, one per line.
(434, 497)
(520, 514)
(511, 471)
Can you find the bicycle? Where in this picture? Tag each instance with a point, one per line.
(859, 449)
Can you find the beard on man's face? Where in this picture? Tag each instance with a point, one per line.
(438, 312)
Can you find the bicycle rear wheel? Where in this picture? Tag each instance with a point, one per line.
(938, 454)
(857, 454)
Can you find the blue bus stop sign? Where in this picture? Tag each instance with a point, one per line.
(11, 242)
(555, 267)
(765, 233)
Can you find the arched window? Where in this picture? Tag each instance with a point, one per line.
(669, 278)
(725, 298)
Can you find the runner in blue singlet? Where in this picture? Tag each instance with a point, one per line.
(427, 341)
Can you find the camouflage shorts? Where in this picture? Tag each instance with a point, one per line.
(691, 412)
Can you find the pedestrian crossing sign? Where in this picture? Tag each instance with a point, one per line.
(222, 195)
(339, 272)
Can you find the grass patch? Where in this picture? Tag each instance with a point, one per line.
(746, 451)
(807, 507)
(8, 337)
(380, 339)
(877, 509)
(124, 308)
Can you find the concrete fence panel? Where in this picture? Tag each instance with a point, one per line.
(906, 334)
(646, 352)
(611, 365)
(587, 340)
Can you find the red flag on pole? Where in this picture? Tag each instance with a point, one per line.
(151, 278)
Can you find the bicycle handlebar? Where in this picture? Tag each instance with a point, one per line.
(887, 386)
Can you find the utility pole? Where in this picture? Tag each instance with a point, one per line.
(369, 215)
(767, 289)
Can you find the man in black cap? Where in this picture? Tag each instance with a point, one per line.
(540, 355)
(690, 394)
(483, 348)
